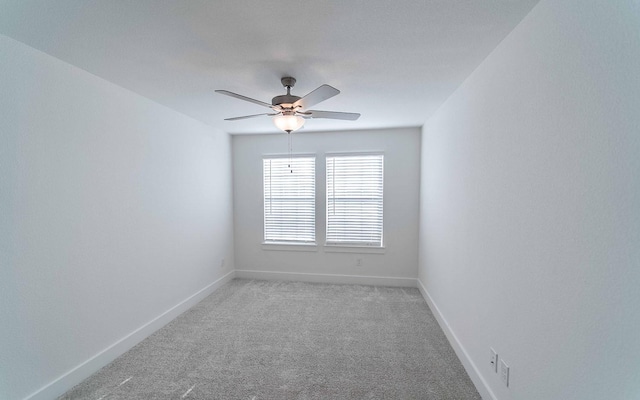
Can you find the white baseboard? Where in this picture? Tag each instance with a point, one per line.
(327, 278)
(471, 368)
(76, 375)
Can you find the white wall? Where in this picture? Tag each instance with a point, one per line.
(113, 210)
(401, 149)
(530, 196)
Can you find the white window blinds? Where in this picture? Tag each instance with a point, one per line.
(289, 200)
(354, 200)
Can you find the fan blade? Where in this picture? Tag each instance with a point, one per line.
(245, 98)
(248, 116)
(331, 115)
(322, 93)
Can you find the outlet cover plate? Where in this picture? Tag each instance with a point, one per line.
(504, 373)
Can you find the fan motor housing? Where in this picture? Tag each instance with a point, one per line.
(284, 99)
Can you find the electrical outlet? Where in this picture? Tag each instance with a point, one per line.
(222, 263)
(493, 359)
(504, 373)
(358, 262)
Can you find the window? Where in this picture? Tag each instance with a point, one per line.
(289, 200)
(354, 200)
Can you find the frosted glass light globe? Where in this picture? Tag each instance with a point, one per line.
(288, 123)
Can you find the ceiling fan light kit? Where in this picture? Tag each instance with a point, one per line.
(288, 123)
(290, 111)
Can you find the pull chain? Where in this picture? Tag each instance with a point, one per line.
(290, 150)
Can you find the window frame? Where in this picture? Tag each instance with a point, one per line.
(286, 245)
(351, 247)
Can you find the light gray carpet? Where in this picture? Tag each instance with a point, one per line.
(258, 340)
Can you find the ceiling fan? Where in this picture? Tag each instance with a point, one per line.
(289, 112)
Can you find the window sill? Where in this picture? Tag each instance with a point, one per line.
(311, 247)
(354, 249)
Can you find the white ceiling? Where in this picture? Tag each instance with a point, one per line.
(394, 61)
